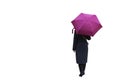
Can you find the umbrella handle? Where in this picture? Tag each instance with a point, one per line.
(73, 30)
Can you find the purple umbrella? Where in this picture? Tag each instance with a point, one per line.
(86, 24)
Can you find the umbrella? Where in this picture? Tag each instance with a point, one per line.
(86, 24)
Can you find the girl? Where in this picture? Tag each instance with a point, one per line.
(80, 46)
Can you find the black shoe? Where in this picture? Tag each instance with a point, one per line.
(81, 74)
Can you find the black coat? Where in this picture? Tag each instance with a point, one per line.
(80, 46)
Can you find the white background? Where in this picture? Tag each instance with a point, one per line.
(36, 40)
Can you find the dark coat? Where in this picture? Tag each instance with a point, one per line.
(80, 46)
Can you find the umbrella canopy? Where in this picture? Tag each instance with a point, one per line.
(86, 24)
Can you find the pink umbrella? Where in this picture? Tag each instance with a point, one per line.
(86, 24)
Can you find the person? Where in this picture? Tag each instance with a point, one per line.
(80, 46)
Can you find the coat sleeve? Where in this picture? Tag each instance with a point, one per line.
(88, 37)
(75, 41)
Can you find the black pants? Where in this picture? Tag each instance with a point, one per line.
(82, 68)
